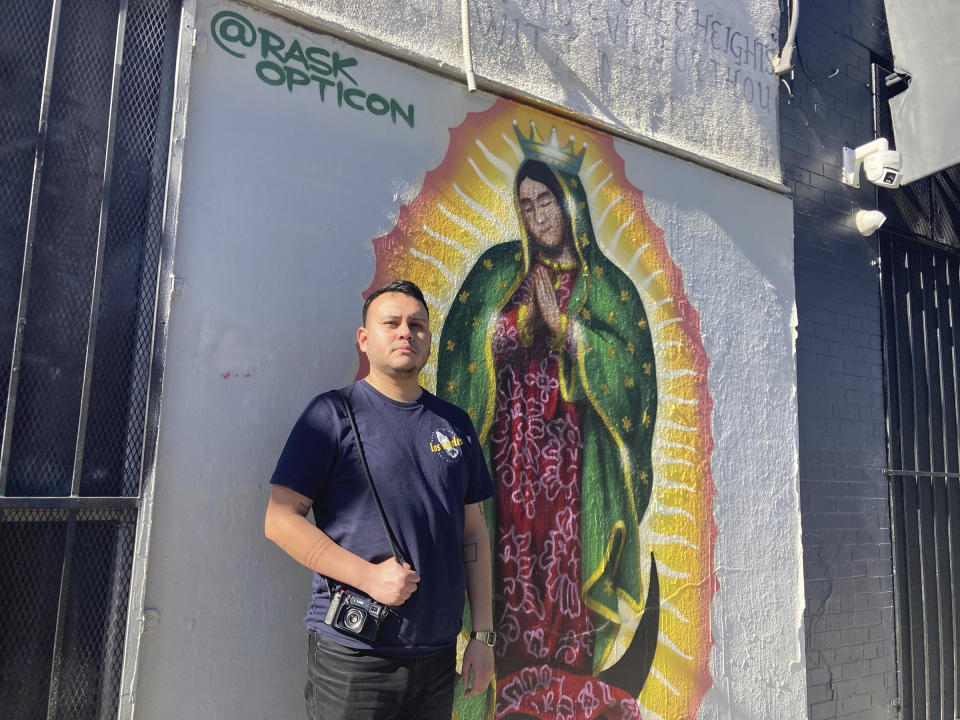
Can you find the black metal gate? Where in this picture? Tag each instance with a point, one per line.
(86, 92)
(920, 286)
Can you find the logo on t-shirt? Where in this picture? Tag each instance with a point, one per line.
(445, 442)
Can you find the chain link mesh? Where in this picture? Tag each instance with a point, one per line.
(68, 212)
(946, 203)
(65, 242)
(118, 396)
(95, 616)
(56, 336)
(23, 47)
(30, 568)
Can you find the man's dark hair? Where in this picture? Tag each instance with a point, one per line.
(398, 286)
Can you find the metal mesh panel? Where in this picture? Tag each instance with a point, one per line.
(66, 561)
(946, 202)
(30, 568)
(41, 460)
(908, 208)
(95, 616)
(86, 556)
(114, 434)
(23, 46)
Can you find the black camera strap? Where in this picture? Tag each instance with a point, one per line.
(373, 488)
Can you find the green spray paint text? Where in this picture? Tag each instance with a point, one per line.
(295, 66)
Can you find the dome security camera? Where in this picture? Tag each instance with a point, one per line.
(869, 221)
(880, 164)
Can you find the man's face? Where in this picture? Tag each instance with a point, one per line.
(542, 216)
(396, 337)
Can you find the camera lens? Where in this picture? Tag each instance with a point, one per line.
(353, 619)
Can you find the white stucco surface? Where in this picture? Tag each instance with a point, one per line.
(281, 196)
(695, 74)
(735, 245)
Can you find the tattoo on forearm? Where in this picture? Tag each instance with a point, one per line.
(470, 553)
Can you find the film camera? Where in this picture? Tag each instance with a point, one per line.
(355, 614)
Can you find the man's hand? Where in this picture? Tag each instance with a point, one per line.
(391, 583)
(478, 657)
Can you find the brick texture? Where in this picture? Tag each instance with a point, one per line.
(845, 515)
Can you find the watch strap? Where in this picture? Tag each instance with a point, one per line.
(487, 638)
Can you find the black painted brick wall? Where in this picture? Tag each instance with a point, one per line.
(848, 623)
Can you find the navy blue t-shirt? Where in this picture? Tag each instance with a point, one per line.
(427, 464)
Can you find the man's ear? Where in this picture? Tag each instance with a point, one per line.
(362, 338)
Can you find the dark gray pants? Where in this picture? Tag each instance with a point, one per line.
(346, 684)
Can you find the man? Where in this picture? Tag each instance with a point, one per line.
(430, 474)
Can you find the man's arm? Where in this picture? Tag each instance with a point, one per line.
(478, 657)
(286, 524)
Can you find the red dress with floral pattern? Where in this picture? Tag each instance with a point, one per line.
(544, 656)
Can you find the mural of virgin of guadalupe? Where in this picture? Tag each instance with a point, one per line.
(547, 345)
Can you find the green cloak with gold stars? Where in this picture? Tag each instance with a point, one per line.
(610, 375)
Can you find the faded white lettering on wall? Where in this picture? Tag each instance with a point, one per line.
(695, 74)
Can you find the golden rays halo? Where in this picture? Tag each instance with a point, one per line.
(466, 206)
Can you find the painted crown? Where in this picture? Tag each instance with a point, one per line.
(565, 159)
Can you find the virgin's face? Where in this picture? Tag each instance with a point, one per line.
(542, 216)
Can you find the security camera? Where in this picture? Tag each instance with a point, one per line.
(869, 221)
(880, 164)
(883, 168)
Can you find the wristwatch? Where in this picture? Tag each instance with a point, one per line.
(488, 638)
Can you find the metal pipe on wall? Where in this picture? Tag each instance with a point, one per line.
(467, 52)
